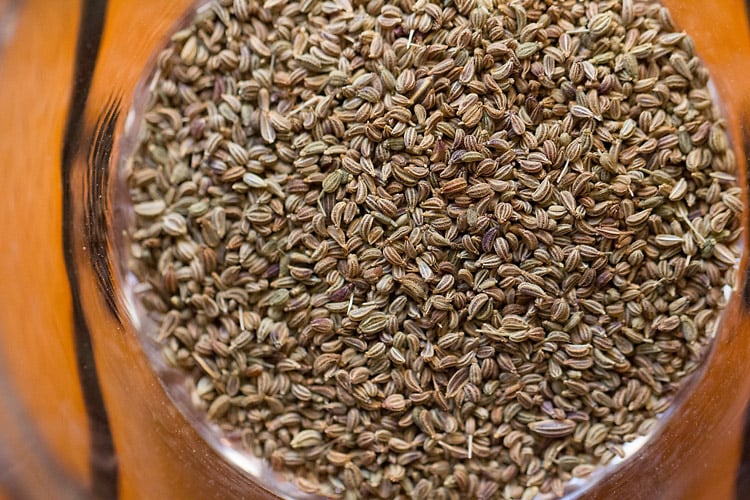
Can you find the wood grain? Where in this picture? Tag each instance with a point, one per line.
(37, 348)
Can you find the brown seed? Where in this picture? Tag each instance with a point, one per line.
(526, 50)
(150, 208)
(678, 190)
(306, 439)
(553, 428)
(433, 233)
(668, 240)
(395, 403)
(599, 25)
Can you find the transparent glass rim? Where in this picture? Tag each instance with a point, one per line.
(175, 381)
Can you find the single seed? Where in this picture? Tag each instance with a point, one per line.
(553, 428)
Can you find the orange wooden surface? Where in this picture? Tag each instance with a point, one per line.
(35, 318)
(159, 455)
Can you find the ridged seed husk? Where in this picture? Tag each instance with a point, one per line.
(433, 249)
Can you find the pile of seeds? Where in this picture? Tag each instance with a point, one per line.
(433, 249)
